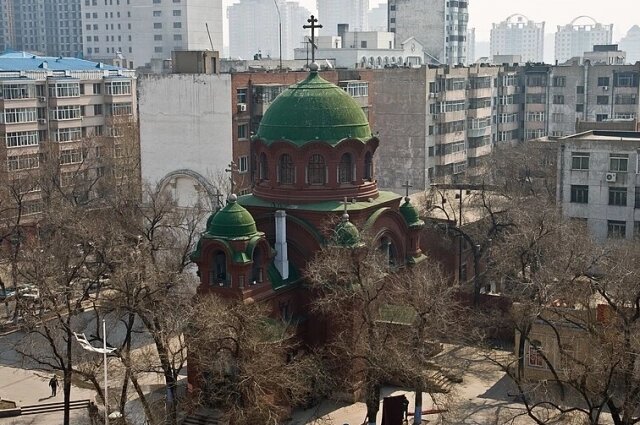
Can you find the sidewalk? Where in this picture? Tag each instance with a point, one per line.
(27, 387)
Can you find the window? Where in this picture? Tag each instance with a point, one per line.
(117, 109)
(71, 156)
(241, 95)
(345, 169)
(579, 89)
(177, 13)
(157, 49)
(536, 116)
(558, 99)
(637, 197)
(603, 81)
(157, 37)
(64, 89)
(618, 196)
(579, 161)
(625, 79)
(177, 24)
(579, 194)
(97, 109)
(616, 229)
(97, 88)
(636, 229)
(567, 356)
(602, 117)
(580, 107)
(19, 115)
(243, 130)
(23, 162)
(357, 89)
(559, 81)
(536, 98)
(535, 357)
(618, 162)
(368, 164)
(602, 100)
(177, 37)
(157, 25)
(243, 164)
(157, 13)
(117, 87)
(60, 113)
(67, 134)
(316, 170)
(263, 168)
(286, 170)
(625, 99)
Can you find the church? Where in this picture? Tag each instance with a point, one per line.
(314, 184)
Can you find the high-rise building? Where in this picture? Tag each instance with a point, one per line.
(573, 39)
(518, 35)
(630, 43)
(378, 18)
(254, 28)
(439, 25)
(141, 31)
(51, 27)
(471, 46)
(331, 13)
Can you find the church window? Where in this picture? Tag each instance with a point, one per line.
(286, 170)
(389, 251)
(263, 167)
(345, 169)
(257, 269)
(316, 170)
(368, 166)
(218, 273)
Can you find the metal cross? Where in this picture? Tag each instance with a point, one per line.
(312, 21)
(232, 167)
(218, 197)
(407, 186)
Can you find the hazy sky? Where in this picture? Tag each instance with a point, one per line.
(623, 14)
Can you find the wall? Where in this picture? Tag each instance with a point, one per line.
(185, 123)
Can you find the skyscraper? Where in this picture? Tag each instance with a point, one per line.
(143, 30)
(378, 18)
(518, 35)
(351, 12)
(439, 25)
(630, 43)
(253, 28)
(51, 27)
(574, 39)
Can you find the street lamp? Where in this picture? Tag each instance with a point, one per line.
(279, 30)
(84, 343)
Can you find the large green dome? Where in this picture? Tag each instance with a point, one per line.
(231, 222)
(311, 110)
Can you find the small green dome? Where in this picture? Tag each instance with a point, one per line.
(410, 214)
(346, 233)
(314, 109)
(232, 221)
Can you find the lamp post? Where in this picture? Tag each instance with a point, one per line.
(279, 31)
(84, 343)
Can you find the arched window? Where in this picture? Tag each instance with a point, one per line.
(345, 169)
(286, 170)
(316, 170)
(263, 168)
(257, 268)
(389, 251)
(368, 166)
(218, 272)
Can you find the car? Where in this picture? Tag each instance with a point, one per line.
(6, 293)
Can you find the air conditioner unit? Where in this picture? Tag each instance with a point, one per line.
(610, 177)
(42, 121)
(242, 107)
(605, 88)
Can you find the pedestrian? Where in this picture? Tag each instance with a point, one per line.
(94, 414)
(53, 383)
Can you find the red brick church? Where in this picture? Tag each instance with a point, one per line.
(314, 149)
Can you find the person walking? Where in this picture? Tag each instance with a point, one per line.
(94, 414)
(53, 383)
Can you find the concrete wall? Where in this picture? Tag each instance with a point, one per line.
(185, 124)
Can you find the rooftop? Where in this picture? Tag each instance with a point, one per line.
(25, 61)
(604, 135)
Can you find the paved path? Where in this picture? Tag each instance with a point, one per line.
(27, 387)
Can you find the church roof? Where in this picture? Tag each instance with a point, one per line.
(232, 222)
(346, 233)
(410, 214)
(314, 110)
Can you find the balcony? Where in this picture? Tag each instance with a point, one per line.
(479, 132)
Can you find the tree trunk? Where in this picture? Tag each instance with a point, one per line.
(66, 386)
(417, 413)
(143, 399)
(373, 403)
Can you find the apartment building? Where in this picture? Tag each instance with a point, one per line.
(63, 109)
(138, 32)
(354, 13)
(599, 182)
(439, 25)
(575, 38)
(518, 35)
(556, 97)
(254, 28)
(52, 27)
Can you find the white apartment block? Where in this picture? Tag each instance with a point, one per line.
(599, 182)
(332, 13)
(573, 39)
(64, 109)
(518, 35)
(630, 44)
(140, 31)
(439, 25)
(471, 46)
(254, 28)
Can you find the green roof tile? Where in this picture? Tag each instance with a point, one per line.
(314, 110)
